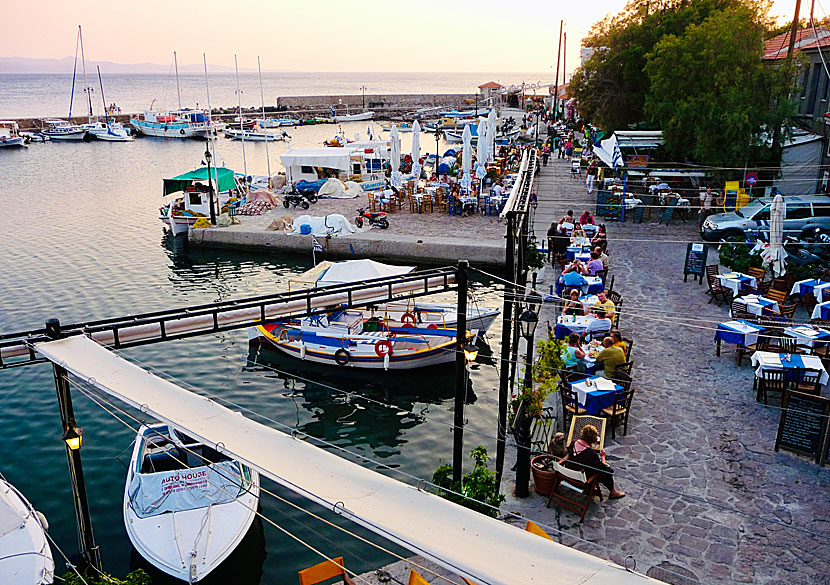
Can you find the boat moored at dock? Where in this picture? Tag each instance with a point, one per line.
(184, 123)
(10, 134)
(187, 196)
(25, 556)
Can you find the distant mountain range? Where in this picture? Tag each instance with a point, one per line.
(65, 65)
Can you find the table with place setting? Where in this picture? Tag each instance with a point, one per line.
(821, 311)
(567, 324)
(576, 253)
(595, 394)
(764, 360)
(808, 336)
(757, 304)
(736, 281)
(737, 332)
(811, 286)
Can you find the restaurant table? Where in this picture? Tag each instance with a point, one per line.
(595, 393)
(821, 311)
(737, 280)
(807, 336)
(757, 305)
(764, 360)
(738, 332)
(810, 286)
(567, 324)
(581, 241)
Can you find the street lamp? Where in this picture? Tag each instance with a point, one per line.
(208, 158)
(527, 326)
(363, 89)
(438, 135)
(470, 352)
(73, 438)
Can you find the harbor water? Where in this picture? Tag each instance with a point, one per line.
(82, 240)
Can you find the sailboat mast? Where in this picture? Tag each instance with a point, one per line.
(103, 100)
(74, 73)
(241, 129)
(262, 99)
(178, 90)
(211, 142)
(87, 89)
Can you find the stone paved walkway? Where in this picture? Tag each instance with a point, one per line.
(708, 497)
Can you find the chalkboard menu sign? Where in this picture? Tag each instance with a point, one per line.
(695, 261)
(802, 427)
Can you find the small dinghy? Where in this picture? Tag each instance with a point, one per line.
(186, 505)
(25, 556)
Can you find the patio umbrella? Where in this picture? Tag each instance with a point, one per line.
(467, 158)
(491, 135)
(396, 179)
(416, 150)
(481, 148)
(775, 255)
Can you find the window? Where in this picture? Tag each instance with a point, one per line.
(195, 199)
(307, 170)
(814, 83)
(822, 209)
(762, 215)
(798, 211)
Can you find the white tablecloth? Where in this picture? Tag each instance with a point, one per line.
(582, 388)
(764, 360)
(575, 323)
(817, 290)
(730, 280)
(749, 331)
(808, 336)
(817, 310)
(753, 306)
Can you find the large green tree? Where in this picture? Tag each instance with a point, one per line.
(711, 93)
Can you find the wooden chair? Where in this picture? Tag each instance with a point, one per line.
(739, 311)
(614, 297)
(787, 310)
(442, 200)
(325, 571)
(412, 203)
(610, 286)
(580, 422)
(617, 413)
(771, 381)
(623, 379)
(617, 313)
(758, 273)
(776, 295)
(625, 367)
(716, 290)
(577, 482)
(788, 345)
(807, 381)
(629, 343)
(373, 203)
(570, 404)
(603, 274)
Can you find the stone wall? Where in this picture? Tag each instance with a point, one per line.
(377, 101)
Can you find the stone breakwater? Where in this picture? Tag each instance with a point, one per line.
(385, 106)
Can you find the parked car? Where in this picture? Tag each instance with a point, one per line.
(801, 213)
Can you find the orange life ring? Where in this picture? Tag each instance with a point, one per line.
(383, 347)
(408, 320)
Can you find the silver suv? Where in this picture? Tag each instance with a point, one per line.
(752, 221)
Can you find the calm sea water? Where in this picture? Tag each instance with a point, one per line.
(46, 95)
(81, 240)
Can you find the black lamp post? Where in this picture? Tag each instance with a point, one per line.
(438, 135)
(536, 138)
(527, 326)
(363, 89)
(208, 158)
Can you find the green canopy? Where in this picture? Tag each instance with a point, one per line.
(222, 177)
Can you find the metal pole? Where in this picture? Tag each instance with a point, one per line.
(90, 553)
(460, 370)
(558, 59)
(262, 100)
(178, 89)
(210, 194)
(506, 334)
(363, 88)
(523, 455)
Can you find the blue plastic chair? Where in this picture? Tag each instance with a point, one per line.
(451, 205)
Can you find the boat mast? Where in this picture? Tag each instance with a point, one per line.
(262, 99)
(211, 141)
(178, 90)
(103, 101)
(87, 89)
(74, 72)
(241, 129)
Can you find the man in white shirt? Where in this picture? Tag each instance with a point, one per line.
(498, 190)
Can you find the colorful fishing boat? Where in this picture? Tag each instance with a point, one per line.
(186, 197)
(360, 339)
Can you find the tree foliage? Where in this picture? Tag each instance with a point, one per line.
(478, 489)
(137, 577)
(711, 93)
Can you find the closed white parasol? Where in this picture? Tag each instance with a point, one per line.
(775, 255)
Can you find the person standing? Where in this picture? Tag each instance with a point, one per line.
(590, 175)
(706, 202)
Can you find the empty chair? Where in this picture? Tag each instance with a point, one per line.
(618, 412)
(716, 290)
(623, 379)
(758, 273)
(787, 310)
(804, 380)
(570, 404)
(739, 311)
(771, 381)
(779, 296)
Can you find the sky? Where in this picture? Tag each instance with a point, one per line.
(314, 35)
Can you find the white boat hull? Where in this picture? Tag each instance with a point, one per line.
(25, 556)
(178, 224)
(74, 135)
(113, 133)
(354, 117)
(17, 141)
(254, 136)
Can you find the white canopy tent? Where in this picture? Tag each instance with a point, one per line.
(359, 271)
(470, 544)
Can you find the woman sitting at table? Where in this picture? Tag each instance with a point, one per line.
(573, 355)
(600, 238)
(572, 305)
(582, 457)
(576, 266)
(577, 233)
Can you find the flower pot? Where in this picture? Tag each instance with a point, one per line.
(542, 479)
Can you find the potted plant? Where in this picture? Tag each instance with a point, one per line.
(541, 467)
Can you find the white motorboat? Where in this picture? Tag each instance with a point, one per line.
(353, 117)
(110, 132)
(186, 505)
(25, 556)
(360, 339)
(10, 134)
(63, 130)
(186, 197)
(277, 122)
(442, 315)
(256, 134)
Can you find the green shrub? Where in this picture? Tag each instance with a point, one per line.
(476, 487)
(137, 577)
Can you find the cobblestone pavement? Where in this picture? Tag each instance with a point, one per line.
(708, 497)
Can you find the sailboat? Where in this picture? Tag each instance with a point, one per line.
(25, 556)
(187, 506)
(65, 129)
(109, 131)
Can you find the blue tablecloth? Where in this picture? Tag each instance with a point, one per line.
(822, 311)
(728, 333)
(805, 287)
(573, 251)
(596, 400)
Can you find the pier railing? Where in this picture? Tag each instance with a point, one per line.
(16, 349)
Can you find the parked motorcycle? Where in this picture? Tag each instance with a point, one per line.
(374, 218)
(295, 199)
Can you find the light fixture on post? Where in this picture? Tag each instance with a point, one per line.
(208, 158)
(527, 323)
(470, 352)
(438, 135)
(73, 437)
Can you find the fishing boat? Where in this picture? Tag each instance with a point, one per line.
(256, 134)
(183, 123)
(108, 130)
(63, 130)
(360, 339)
(353, 117)
(25, 556)
(186, 197)
(443, 315)
(360, 161)
(10, 134)
(186, 505)
(277, 122)
(402, 126)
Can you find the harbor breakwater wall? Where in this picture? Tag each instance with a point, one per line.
(384, 105)
(395, 247)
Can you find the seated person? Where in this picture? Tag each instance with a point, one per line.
(582, 457)
(586, 218)
(577, 233)
(601, 325)
(600, 238)
(570, 279)
(604, 303)
(573, 355)
(567, 218)
(610, 356)
(606, 261)
(575, 266)
(618, 341)
(572, 305)
(595, 264)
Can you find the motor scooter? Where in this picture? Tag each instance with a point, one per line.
(374, 218)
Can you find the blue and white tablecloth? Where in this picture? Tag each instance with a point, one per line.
(764, 360)
(821, 311)
(736, 281)
(567, 324)
(812, 286)
(757, 305)
(573, 251)
(592, 285)
(739, 332)
(599, 395)
(807, 336)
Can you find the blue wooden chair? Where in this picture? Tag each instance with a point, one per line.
(452, 205)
